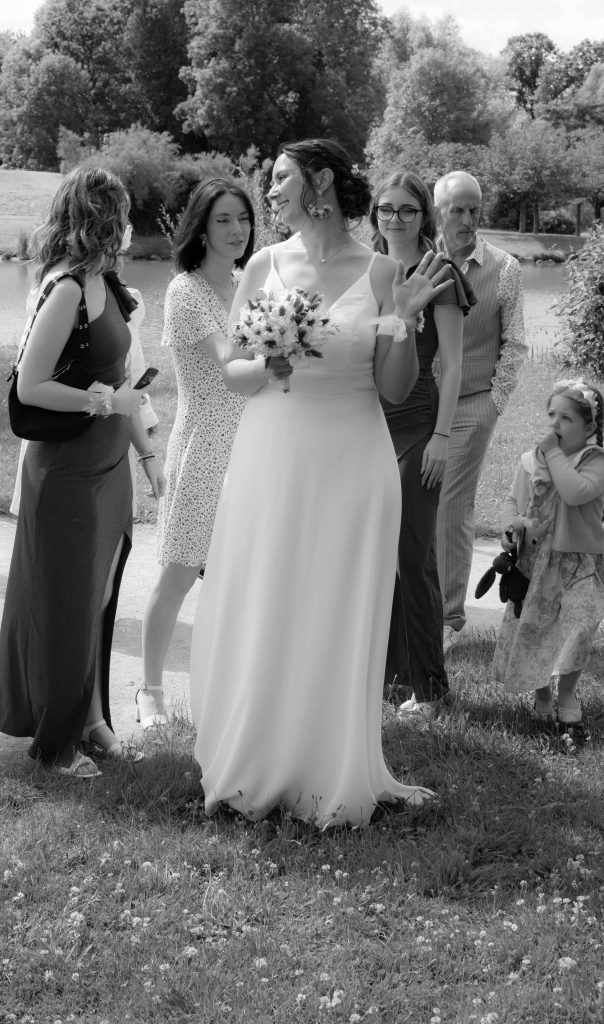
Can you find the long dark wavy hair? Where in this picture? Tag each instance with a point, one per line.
(351, 186)
(188, 246)
(86, 223)
(419, 190)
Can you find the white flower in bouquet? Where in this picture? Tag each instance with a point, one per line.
(287, 325)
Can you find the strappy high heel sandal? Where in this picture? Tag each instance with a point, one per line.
(150, 711)
(117, 750)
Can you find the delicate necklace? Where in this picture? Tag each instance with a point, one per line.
(224, 290)
(324, 259)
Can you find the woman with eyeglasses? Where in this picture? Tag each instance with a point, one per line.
(402, 216)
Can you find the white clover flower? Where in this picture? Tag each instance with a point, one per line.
(324, 1003)
(260, 962)
(324, 976)
(301, 998)
(189, 952)
(566, 963)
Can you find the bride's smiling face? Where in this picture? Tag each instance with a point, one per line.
(286, 191)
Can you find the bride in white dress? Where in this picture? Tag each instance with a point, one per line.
(290, 636)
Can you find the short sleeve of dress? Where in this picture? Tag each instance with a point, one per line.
(187, 318)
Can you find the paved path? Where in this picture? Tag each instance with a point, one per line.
(126, 665)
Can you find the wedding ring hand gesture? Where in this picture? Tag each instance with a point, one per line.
(413, 294)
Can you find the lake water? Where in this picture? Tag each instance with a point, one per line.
(542, 283)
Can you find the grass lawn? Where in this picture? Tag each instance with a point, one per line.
(121, 902)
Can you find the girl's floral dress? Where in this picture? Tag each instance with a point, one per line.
(563, 607)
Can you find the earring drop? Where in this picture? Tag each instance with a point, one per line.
(320, 212)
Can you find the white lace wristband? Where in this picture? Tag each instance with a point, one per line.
(100, 403)
(397, 327)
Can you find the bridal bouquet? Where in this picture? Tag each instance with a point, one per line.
(287, 325)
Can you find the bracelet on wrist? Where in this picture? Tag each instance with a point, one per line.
(99, 403)
(437, 433)
(143, 456)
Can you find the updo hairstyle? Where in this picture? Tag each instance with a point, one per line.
(419, 190)
(583, 405)
(188, 246)
(86, 223)
(350, 185)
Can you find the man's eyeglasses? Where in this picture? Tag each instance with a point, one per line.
(406, 214)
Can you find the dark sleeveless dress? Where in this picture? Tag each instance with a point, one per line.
(76, 504)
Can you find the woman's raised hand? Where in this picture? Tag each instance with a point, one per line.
(411, 295)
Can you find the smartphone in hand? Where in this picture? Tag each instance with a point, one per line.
(148, 376)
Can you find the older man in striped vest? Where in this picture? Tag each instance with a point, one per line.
(493, 351)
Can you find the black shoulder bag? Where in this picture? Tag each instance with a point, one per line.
(36, 424)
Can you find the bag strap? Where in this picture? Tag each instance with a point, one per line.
(82, 340)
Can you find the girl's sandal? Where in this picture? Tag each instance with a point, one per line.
(81, 767)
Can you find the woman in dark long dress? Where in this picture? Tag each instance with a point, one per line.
(75, 523)
(402, 216)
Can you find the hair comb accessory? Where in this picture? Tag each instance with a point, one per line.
(355, 170)
(587, 393)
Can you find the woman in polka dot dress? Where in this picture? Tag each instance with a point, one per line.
(215, 236)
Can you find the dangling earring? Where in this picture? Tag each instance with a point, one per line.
(320, 212)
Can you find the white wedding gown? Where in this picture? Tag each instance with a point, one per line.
(290, 635)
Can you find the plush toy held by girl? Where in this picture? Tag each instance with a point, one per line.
(554, 510)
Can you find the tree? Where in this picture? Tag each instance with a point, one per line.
(156, 39)
(39, 92)
(443, 94)
(563, 94)
(588, 157)
(269, 70)
(249, 67)
(568, 71)
(413, 152)
(92, 35)
(589, 99)
(532, 165)
(527, 57)
(155, 175)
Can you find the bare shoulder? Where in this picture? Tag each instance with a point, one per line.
(384, 268)
(261, 260)
(66, 293)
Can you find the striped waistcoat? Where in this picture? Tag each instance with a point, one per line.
(482, 326)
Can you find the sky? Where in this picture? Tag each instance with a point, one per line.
(482, 27)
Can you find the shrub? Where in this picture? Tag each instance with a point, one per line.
(582, 306)
(156, 176)
(552, 222)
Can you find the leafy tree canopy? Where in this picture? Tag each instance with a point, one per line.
(39, 92)
(265, 71)
(527, 56)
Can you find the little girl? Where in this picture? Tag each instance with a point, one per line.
(554, 514)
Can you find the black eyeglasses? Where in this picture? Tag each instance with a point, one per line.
(406, 214)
